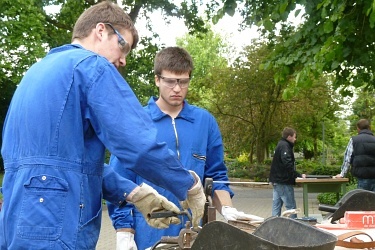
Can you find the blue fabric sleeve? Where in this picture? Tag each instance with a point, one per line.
(215, 166)
(115, 187)
(122, 217)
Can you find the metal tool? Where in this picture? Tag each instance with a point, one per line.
(184, 240)
(209, 209)
(187, 235)
(241, 182)
(165, 214)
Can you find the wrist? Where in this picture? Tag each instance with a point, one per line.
(132, 193)
(129, 230)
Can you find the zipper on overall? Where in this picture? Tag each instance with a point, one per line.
(176, 135)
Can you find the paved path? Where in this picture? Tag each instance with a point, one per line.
(253, 200)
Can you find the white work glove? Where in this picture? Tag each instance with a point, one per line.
(195, 200)
(125, 241)
(231, 213)
(148, 200)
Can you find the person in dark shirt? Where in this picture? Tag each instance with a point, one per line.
(283, 173)
(360, 155)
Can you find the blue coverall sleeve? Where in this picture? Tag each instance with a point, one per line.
(111, 183)
(122, 217)
(126, 130)
(215, 166)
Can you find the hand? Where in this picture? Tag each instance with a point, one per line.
(147, 200)
(338, 176)
(125, 241)
(304, 176)
(195, 201)
(231, 213)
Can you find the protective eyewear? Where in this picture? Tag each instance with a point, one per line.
(172, 82)
(122, 43)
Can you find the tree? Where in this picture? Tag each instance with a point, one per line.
(252, 112)
(314, 112)
(246, 101)
(363, 107)
(208, 52)
(335, 37)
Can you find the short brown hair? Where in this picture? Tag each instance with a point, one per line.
(104, 12)
(363, 124)
(174, 59)
(287, 132)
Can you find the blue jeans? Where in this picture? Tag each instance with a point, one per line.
(283, 194)
(367, 184)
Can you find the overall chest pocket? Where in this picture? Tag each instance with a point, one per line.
(43, 207)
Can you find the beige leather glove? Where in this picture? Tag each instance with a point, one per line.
(231, 213)
(147, 200)
(195, 200)
(125, 241)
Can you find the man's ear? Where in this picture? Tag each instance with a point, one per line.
(99, 30)
(157, 81)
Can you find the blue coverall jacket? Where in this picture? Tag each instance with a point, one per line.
(68, 108)
(193, 135)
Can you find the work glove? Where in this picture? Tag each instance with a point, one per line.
(148, 200)
(195, 201)
(125, 241)
(231, 213)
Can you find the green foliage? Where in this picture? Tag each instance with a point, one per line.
(306, 166)
(139, 71)
(237, 169)
(364, 106)
(331, 198)
(208, 53)
(259, 112)
(334, 37)
(326, 170)
(21, 32)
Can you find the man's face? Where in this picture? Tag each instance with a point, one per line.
(292, 138)
(110, 46)
(172, 87)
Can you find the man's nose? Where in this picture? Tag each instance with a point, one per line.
(123, 61)
(177, 87)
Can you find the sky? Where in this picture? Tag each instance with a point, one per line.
(227, 27)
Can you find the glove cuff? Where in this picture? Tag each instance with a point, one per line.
(124, 236)
(197, 186)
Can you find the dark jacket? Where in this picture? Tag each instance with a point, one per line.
(363, 156)
(283, 168)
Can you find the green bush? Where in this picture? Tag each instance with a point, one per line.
(326, 170)
(331, 198)
(237, 169)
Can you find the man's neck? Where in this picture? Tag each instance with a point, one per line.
(170, 110)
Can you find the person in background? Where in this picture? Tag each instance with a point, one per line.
(193, 135)
(360, 155)
(283, 173)
(69, 107)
